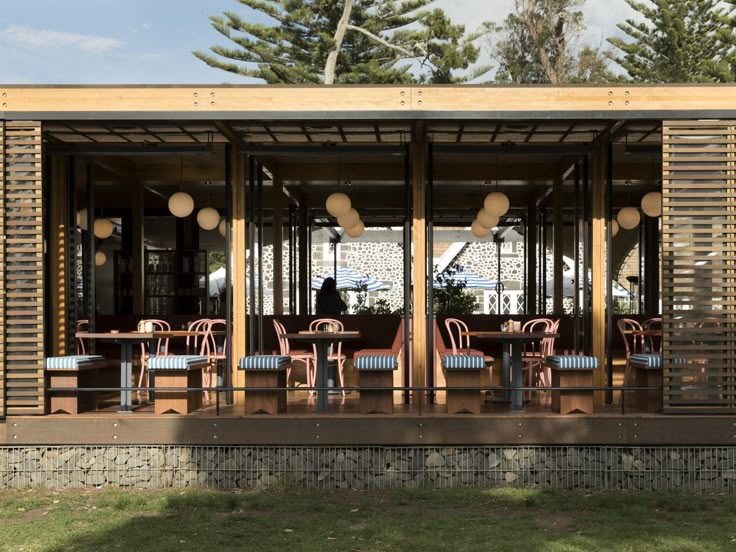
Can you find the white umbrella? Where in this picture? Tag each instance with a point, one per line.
(472, 281)
(568, 287)
(348, 278)
(217, 282)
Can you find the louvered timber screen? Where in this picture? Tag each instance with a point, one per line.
(698, 270)
(22, 265)
(2, 267)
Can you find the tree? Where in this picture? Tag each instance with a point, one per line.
(539, 42)
(678, 41)
(450, 297)
(343, 41)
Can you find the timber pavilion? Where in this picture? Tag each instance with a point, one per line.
(86, 174)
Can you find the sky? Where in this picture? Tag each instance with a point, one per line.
(150, 41)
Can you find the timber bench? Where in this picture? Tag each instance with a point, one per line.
(647, 373)
(180, 372)
(265, 371)
(463, 371)
(75, 371)
(376, 370)
(572, 371)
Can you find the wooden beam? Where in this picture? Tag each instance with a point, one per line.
(239, 281)
(418, 156)
(598, 269)
(238, 102)
(58, 250)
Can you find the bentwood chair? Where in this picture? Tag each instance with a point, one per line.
(631, 332)
(162, 345)
(299, 355)
(461, 343)
(655, 342)
(194, 342)
(533, 352)
(82, 326)
(335, 354)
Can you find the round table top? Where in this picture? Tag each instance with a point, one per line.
(321, 336)
(511, 336)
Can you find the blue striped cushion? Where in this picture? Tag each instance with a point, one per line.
(175, 362)
(463, 362)
(650, 361)
(73, 362)
(376, 362)
(573, 361)
(264, 362)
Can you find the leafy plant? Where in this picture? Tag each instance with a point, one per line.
(381, 306)
(451, 297)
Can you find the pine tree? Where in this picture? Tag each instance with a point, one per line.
(679, 41)
(539, 42)
(343, 42)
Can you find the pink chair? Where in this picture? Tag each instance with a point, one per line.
(194, 342)
(82, 326)
(461, 343)
(307, 357)
(655, 342)
(215, 350)
(547, 349)
(162, 345)
(533, 353)
(338, 356)
(633, 342)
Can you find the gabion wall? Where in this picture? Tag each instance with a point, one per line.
(604, 468)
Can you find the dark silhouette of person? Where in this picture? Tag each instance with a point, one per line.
(329, 301)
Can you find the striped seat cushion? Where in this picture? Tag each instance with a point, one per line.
(74, 362)
(463, 362)
(264, 362)
(176, 362)
(573, 362)
(376, 362)
(650, 361)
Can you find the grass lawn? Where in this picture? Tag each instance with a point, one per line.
(408, 520)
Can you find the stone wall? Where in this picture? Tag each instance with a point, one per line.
(699, 469)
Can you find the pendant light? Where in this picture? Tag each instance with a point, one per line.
(486, 219)
(181, 203)
(614, 228)
(222, 228)
(628, 218)
(103, 228)
(651, 204)
(356, 231)
(349, 220)
(100, 258)
(496, 203)
(478, 230)
(208, 218)
(82, 218)
(338, 204)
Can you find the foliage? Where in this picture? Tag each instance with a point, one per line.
(523, 520)
(215, 260)
(621, 306)
(679, 41)
(450, 297)
(381, 306)
(539, 42)
(377, 42)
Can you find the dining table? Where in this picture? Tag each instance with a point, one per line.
(126, 340)
(322, 341)
(512, 343)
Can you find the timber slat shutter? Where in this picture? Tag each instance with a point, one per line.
(698, 265)
(21, 263)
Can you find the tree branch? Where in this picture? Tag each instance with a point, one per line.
(342, 27)
(386, 42)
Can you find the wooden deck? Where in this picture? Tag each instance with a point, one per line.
(344, 426)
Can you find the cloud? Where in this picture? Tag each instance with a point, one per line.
(44, 38)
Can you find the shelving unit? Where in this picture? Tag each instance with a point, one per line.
(123, 282)
(175, 282)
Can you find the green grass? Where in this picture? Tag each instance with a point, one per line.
(408, 520)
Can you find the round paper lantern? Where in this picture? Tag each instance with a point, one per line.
(628, 217)
(103, 228)
(651, 204)
(222, 228)
(181, 204)
(338, 204)
(100, 258)
(496, 203)
(208, 218)
(614, 228)
(82, 219)
(486, 219)
(356, 231)
(349, 220)
(478, 230)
